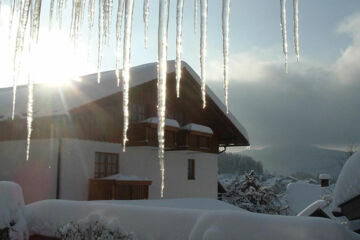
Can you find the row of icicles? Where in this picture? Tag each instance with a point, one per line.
(29, 16)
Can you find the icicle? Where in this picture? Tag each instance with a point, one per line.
(34, 35)
(11, 20)
(105, 15)
(203, 40)
(77, 19)
(35, 22)
(91, 13)
(284, 32)
(29, 116)
(59, 12)
(162, 73)
(118, 38)
(225, 32)
(179, 20)
(195, 15)
(296, 28)
(146, 19)
(24, 15)
(51, 14)
(101, 38)
(129, 7)
(107, 8)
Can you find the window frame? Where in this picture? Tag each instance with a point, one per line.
(107, 164)
(191, 169)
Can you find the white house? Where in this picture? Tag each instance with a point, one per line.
(77, 136)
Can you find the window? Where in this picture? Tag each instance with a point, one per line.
(106, 164)
(137, 112)
(191, 169)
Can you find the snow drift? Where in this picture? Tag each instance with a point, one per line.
(11, 210)
(45, 217)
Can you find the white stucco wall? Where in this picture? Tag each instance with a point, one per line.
(37, 176)
(78, 158)
(77, 165)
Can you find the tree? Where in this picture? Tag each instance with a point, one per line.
(249, 194)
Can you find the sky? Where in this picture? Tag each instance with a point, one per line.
(316, 103)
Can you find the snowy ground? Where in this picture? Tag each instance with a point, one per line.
(149, 222)
(163, 219)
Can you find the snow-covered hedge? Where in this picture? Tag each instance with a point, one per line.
(94, 227)
(12, 221)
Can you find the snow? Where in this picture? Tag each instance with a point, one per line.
(11, 209)
(300, 195)
(177, 223)
(348, 183)
(123, 177)
(324, 176)
(59, 100)
(197, 128)
(180, 203)
(168, 122)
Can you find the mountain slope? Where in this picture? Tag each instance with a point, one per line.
(289, 159)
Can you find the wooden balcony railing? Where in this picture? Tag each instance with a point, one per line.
(109, 189)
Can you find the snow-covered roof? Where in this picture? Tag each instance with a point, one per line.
(58, 100)
(348, 182)
(318, 204)
(168, 122)
(197, 128)
(300, 195)
(324, 176)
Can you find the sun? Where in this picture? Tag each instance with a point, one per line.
(54, 60)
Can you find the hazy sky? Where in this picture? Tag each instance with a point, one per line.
(316, 103)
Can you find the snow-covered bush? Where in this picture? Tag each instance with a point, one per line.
(94, 227)
(12, 221)
(249, 194)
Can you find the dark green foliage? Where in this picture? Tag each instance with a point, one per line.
(238, 164)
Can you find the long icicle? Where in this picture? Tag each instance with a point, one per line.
(162, 74)
(59, 12)
(195, 15)
(179, 20)
(284, 32)
(146, 14)
(23, 21)
(51, 14)
(11, 20)
(91, 14)
(129, 9)
(296, 28)
(101, 38)
(34, 35)
(203, 42)
(119, 21)
(77, 19)
(108, 7)
(225, 32)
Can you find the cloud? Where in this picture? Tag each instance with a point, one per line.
(316, 103)
(346, 68)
